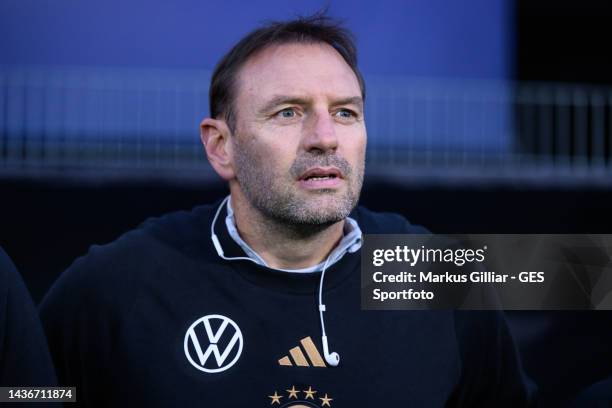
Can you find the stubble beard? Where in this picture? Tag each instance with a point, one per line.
(276, 196)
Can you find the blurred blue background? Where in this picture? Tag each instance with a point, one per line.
(470, 39)
(124, 84)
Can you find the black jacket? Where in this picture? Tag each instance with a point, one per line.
(157, 318)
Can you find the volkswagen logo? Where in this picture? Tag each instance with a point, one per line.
(213, 336)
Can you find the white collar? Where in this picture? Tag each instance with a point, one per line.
(351, 242)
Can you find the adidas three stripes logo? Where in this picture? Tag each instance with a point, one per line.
(299, 359)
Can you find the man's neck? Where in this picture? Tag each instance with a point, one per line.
(284, 246)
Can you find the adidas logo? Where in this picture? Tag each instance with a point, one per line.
(299, 359)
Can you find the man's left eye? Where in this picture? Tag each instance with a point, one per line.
(345, 114)
(287, 113)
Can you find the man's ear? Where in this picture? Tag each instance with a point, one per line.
(215, 135)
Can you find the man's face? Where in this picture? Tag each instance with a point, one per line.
(300, 138)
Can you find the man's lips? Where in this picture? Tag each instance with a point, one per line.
(321, 177)
(321, 172)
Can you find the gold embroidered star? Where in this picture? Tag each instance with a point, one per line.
(293, 392)
(325, 401)
(309, 393)
(275, 398)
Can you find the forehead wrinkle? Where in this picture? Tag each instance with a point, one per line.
(291, 50)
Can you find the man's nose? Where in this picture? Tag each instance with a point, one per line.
(320, 133)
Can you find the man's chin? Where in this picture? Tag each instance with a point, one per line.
(323, 195)
(316, 220)
(323, 211)
(317, 208)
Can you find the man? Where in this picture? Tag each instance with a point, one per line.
(255, 300)
(24, 356)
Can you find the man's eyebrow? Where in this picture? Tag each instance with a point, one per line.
(282, 100)
(296, 100)
(354, 100)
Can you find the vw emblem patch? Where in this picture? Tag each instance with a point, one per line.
(213, 343)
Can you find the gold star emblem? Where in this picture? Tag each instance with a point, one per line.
(275, 398)
(293, 392)
(309, 393)
(325, 401)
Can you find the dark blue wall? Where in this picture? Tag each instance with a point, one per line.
(449, 38)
